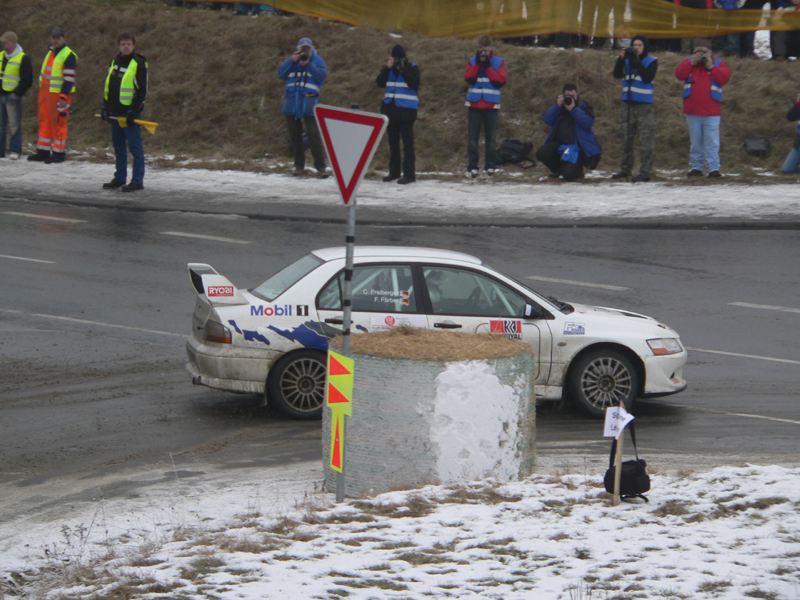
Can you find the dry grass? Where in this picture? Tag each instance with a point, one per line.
(421, 344)
(215, 91)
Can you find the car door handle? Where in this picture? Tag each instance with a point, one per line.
(335, 321)
(448, 325)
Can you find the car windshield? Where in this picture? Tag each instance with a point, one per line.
(564, 307)
(286, 278)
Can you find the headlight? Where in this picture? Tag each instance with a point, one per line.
(665, 346)
(214, 331)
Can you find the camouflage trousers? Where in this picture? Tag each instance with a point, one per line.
(637, 117)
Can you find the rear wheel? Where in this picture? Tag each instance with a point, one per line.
(296, 384)
(603, 378)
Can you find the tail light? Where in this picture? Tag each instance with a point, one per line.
(214, 331)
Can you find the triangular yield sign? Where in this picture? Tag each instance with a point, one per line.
(351, 138)
(337, 368)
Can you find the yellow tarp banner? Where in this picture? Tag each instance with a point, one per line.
(519, 18)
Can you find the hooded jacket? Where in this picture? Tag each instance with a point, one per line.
(584, 120)
(637, 74)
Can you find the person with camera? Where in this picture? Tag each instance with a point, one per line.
(792, 162)
(400, 102)
(125, 93)
(304, 73)
(485, 74)
(571, 145)
(637, 69)
(703, 77)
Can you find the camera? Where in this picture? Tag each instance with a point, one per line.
(482, 56)
(630, 53)
(400, 64)
(304, 56)
(567, 100)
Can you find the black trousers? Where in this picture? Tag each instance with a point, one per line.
(550, 157)
(314, 142)
(396, 131)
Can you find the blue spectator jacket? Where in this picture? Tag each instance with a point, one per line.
(583, 127)
(302, 86)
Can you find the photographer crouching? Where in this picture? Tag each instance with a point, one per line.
(571, 144)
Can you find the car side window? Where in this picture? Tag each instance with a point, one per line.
(468, 293)
(376, 288)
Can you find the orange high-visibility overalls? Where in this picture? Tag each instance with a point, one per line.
(52, 122)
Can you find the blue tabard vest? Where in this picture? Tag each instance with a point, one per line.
(639, 90)
(302, 90)
(398, 90)
(716, 89)
(483, 88)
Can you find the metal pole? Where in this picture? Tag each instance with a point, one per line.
(348, 304)
(618, 468)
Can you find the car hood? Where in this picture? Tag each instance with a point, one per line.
(618, 317)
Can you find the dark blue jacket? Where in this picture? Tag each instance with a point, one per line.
(584, 119)
(302, 85)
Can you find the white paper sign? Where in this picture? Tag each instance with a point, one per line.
(616, 420)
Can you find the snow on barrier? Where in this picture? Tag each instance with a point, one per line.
(434, 407)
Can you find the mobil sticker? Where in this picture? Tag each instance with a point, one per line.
(217, 291)
(287, 310)
(509, 328)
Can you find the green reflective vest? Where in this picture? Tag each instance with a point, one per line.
(127, 86)
(53, 69)
(10, 75)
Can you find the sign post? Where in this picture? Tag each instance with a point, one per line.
(616, 420)
(351, 138)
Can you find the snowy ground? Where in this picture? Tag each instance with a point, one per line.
(728, 533)
(272, 533)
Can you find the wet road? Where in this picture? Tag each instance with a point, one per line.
(95, 303)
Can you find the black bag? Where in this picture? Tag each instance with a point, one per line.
(514, 152)
(633, 478)
(756, 147)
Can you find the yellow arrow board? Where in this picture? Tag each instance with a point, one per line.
(340, 383)
(339, 398)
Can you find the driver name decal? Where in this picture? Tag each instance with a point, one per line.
(508, 328)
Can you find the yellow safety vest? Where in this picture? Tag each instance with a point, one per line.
(53, 69)
(10, 76)
(127, 87)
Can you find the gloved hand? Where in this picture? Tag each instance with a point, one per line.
(104, 112)
(708, 61)
(129, 117)
(697, 57)
(62, 106)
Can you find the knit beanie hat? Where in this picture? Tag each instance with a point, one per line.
(702, 43)
(398, 52)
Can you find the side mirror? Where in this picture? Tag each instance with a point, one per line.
(533, 311)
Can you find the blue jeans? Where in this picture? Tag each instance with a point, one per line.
(487, 117)
(124, 138)
(792, 162)
(11, 116)
(704, 132)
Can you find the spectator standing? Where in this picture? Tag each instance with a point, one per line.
(56, 85)
(571, 144)
(125, 93)
(785, 44)
(304, 73)
(729, 45)
(637, 69)
(400, 102)
(703, 77)
(792, 162)
(485, 74)
(16, 76)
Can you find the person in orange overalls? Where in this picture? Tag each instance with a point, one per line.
(56, 84)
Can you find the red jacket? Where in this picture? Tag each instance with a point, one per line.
(498, 78)
(700, 103)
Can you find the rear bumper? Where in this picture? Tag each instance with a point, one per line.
(223, 367)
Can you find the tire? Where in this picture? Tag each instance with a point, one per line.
(296, 384)
(603, 378)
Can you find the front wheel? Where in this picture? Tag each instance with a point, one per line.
(296, 384)
(603, 378)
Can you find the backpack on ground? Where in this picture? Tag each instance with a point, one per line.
(633, 480)
(514, 152)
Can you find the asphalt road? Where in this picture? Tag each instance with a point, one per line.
(95, 303)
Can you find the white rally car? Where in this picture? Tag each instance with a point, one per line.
(272, 339)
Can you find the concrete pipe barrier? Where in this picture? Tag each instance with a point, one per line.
(435, 407)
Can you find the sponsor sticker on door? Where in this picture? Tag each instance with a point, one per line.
(509, 328)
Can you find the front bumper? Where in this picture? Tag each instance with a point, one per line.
(664, 374)
(223, 367)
